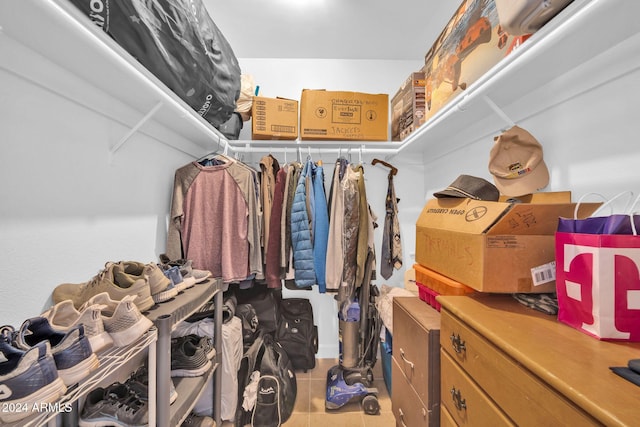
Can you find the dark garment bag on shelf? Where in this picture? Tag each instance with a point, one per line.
(297, 332)
(178, 42)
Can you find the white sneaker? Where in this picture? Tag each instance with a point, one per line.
(122, 319)
(64, 316)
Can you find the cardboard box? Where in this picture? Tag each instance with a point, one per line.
(330, 115)
(408, 107)
(471, 43)
(274, 118)
(492, 246)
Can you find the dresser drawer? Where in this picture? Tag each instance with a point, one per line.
(405, 403)
(416, 343)
(446, 419)
(527, 400)
(465, 401)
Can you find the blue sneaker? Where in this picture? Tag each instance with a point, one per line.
(71, 349)
(173, 273)
(27, 378)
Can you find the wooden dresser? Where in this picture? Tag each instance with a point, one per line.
(415, 365)
(505, 364)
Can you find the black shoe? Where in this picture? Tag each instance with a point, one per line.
(188, 359)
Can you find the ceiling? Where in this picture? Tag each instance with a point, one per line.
(331, 29)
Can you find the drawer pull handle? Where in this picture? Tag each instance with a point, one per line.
(457, 343)
(405, 359)
(458, 400)
(401, 417)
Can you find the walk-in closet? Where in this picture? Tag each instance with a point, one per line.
(95, 144)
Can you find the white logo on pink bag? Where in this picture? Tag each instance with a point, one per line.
(604, 281)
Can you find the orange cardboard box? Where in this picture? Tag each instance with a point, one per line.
(274, 118)
(439, 283)
(334, 115)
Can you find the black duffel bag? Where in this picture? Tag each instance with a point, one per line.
(297, 332)
(276, 389)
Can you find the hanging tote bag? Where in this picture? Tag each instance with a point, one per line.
(598, 275)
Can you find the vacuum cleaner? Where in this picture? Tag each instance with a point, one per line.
(359, 337)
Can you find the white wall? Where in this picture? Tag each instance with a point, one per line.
(67, 207)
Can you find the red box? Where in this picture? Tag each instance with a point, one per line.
(428, 295)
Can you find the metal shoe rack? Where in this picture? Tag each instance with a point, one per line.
(161, 413)
(165, 317)
(110, 361)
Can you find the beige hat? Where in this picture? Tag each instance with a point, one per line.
(516, 163)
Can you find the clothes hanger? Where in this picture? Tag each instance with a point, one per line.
(394, 170)
(211, 155)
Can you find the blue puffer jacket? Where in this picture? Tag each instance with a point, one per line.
(320, 229)
(301, 226)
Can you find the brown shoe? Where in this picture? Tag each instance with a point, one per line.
(105, 281)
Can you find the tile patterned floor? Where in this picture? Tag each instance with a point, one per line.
(309, 410)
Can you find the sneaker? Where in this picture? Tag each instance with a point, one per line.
(173, 273)
(27, 378)
(138, 382)
(194, 420)
(115, 405)
(186, 268)
(187, 360)
(130, 271)
(206, 343)
(105, 281)
(122, 319)
(71, 349)
(64, 316)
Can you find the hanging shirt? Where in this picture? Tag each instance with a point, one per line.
(269, 167)
(335, 258)
(273, 273)
(214, 220)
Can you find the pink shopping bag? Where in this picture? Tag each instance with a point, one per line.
(598, 284)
